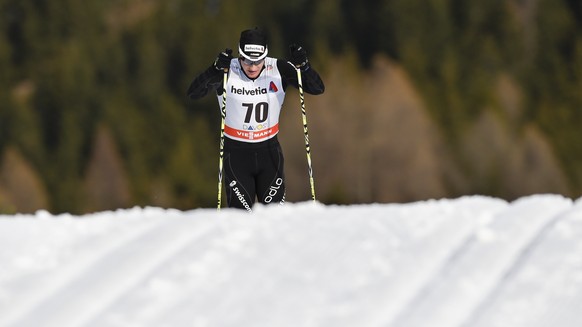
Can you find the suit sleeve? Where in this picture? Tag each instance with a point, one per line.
(312, 82)
(207, 81)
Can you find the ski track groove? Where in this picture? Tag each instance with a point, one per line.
(241, 254)
(448, 286)
(416, 270)
(158, 310)
(515, 267)
(69, 302)
(51, 282)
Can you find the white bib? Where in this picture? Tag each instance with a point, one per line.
(253, 106)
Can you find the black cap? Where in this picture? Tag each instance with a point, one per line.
(253, 44)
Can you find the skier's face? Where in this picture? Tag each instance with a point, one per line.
(252, 68)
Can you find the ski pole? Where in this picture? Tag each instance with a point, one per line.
(305, 132)
(223, 117)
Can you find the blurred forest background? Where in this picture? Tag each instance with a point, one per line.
(424, 99)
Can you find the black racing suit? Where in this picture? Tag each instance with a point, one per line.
(254, 170)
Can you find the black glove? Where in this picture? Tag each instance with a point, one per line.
(298, 56)
(223, 59)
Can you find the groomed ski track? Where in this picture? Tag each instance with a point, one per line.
(469, 262)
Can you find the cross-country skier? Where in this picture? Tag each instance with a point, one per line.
(253, 160)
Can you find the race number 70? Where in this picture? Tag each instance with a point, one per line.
(261, 110)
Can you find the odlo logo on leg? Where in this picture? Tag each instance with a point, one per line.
(273, 190)
(239, 196)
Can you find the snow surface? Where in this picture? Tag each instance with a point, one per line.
(472, 262)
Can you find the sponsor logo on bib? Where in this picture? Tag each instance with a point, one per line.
(244, 91)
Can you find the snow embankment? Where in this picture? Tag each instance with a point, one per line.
(473, 261)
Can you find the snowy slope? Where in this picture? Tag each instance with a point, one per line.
(473, 261)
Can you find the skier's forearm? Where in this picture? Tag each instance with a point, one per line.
(203, 83)
(312, 82)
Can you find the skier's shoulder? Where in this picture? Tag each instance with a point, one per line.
(285, 67)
